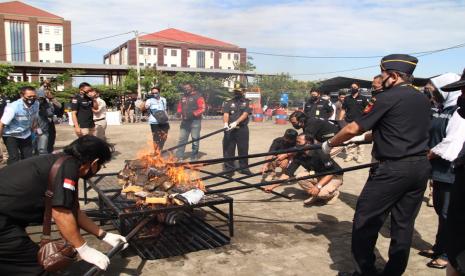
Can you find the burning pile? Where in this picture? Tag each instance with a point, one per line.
(151, 182)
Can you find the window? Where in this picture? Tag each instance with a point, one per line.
(165, 52)
(141, 64)
(219, 55)
(47, 61)
(41, 79)
(41, 60)
(236, 56)
(165, 64)
(229, 68)
(173, 65)
(188, 53)
(56, 30)
(229, 56)
(46, 30)
(141, 51)
(58, 47)
(18, 78)
(211, 54)
(200, 59)
(47, 46)
(148, 64)
(17, 43)
(211, 67)
(221, 67)
(58, 61)
(174, 53)
(40, 47)
(40, 29)
(154, 51)
(149, 51)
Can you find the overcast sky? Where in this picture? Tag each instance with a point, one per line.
(310, 28)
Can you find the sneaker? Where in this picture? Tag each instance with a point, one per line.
(310, 200)
(194, 158)
(333, 199)
(246, 172)
(229, 174)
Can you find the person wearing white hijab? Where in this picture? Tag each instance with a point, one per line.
(447, 135)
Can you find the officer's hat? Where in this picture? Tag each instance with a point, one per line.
(239, 87)
(400, 63)
(455, 85)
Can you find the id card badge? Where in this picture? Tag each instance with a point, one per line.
(317, 113)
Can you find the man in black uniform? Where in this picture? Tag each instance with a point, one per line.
(318, 129)
(315, 107)
(455, 246)
(400, 122)
(81, 106)
(353, 105)
(23, 188)
(236, 117)
(287, 141)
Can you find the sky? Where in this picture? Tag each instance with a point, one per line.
(304, 28)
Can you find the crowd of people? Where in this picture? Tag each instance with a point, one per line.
(416, 136)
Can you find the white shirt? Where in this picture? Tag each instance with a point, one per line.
(451, 145)
(101, 110)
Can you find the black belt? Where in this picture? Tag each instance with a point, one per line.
(99, 120)
(406, 158)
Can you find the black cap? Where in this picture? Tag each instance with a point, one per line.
(239, 87)
(455, 85)
(399, 62)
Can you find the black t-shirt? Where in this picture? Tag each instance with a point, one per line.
(83, 106)
(280, 144)
(319, 109)
(316, 160)
(23, 185)
(236, 107)
(354, 107)
(320, 129)
(129, 103)
(400, 120)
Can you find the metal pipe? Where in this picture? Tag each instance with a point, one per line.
(255, 155)
(221, 174)
(292, 179)
(229, 181)
(193, 140)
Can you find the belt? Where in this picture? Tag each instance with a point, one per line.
(406, 158)
(99, 119)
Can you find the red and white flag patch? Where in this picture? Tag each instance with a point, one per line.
(69, 184)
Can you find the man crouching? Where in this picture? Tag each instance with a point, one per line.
(325, 188)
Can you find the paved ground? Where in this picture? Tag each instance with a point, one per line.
(274, 236)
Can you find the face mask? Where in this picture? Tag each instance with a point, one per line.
(296, 126)
(156, 95)
(384, 83)
(313, 98)
(353, 91)
(29, 102)
(237, 94)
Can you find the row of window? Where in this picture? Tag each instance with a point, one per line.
(48, 61)
(148, 64)
(58, 47)
(46, 30)
(174, 53)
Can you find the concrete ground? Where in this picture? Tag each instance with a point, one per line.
(273, 235)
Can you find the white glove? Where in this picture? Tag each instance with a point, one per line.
(233, 125)
(93, 256)
(226, 126)
(325, 147)
(359, 138)
(115, 239)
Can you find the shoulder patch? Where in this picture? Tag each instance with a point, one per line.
(74, 100)
(370, 105)
(69, 184)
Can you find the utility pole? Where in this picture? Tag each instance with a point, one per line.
(139, 94)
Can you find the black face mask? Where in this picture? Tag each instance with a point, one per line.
(384, 83)
(314, 98)
(156, 95)
(353, 91)
(29, 102)
(296, 126)
(237, 94)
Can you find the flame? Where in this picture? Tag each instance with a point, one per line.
(178, 175)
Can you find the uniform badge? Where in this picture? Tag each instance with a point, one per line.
(74, 101)
(233, 105)
(69, 184)
(191, 99)
(370, 105)
(243, 104)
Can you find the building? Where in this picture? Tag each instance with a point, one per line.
(176, 48)
(29, 34)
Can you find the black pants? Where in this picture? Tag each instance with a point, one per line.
(18, 253)
(52, 134)
(441, 197)
(159, 134)
(395, 187)
(236, 137)
(456, 220)
(17, 148)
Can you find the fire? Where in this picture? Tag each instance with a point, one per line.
(178, 175)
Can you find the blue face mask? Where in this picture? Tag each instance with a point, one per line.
(156, 95)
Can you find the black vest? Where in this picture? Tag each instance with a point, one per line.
(188, 106)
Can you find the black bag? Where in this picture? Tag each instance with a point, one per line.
(160, 115)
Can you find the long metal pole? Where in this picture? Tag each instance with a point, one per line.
(139, 93)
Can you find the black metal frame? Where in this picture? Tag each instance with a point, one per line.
(108, 210)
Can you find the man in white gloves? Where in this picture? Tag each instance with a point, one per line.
(23, 187)
(236, 117)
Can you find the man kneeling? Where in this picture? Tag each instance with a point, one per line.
(323, 188)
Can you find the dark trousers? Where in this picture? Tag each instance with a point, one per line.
(456, 220)
(18, 253)
(441, 197)
(395, 187)
(236, 137)
(17, 148)
(159, 134)
(52, 134)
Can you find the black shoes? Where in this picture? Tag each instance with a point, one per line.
(246, 172)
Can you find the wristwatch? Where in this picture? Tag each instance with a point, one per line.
(319, 186)
(102, 236)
